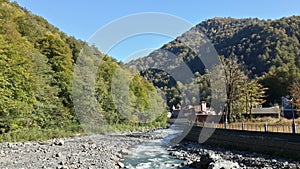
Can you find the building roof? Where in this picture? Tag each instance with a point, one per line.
(266, 110)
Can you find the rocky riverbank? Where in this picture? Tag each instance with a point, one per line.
(107, 151)
(98, 151)
(199, 156)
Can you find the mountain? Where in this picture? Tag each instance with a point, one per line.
(269, 49)
(38, 82)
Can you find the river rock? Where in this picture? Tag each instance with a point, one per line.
(125, 152)
(59, 142)
(119, 155)
(62, 167)
(205, 160)
(121, 165)
(58, 154)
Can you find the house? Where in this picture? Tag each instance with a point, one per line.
(198, 112)
(204, 109)
(288, 110)
(260, 111)
(197, 109)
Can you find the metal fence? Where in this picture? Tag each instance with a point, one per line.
(280, 128)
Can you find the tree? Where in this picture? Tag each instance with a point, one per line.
(235, 79)
(294, 90)
(39, 85)
(60, 59)
(48, 108)
(254, 94)
(17, 80)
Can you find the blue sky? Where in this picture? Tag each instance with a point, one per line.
(83, 18)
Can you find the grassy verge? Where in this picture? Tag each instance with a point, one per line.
(37, 134)
(125, 127)
(117, 128)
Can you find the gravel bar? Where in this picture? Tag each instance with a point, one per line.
(96, 151)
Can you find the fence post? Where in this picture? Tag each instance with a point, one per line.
(294, 128)
(225, 124)
(243, 126)
(202, 123)
(266, 127)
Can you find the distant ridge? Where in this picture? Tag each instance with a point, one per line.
(270, 49)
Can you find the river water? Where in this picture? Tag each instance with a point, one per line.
(153, 154)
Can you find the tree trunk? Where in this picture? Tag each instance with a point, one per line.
(228, 112)
(250, 112)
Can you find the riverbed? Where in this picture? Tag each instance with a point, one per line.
(153, 153)
(161, 153)
(144, 149)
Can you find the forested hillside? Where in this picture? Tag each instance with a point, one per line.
(36, 75)
(269, 49)
(37, 64)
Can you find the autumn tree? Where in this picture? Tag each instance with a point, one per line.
(253, 95)
(294, 90)
(235, 79)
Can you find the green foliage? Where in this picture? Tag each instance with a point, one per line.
(254, 94)
(60, 59)
(37, 74)
(269, 49)
(36, 133)
(17, 76)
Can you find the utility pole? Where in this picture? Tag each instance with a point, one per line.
(294, 127)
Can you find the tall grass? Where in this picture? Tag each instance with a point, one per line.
(38, 134)
(117, 128)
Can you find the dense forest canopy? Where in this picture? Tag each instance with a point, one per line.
(37, 63)
(269, 49)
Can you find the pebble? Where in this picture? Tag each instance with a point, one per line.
(58, 155)
(59, 142)
(125, 152)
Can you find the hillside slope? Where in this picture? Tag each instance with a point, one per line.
(269, 49)
(37, 63)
